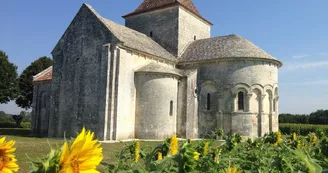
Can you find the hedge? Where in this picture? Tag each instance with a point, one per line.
(302, 129)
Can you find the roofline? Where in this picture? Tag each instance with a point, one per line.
(122, 45)
(42, 81)
(42, 72)
(279, 63)
(166, 6)
(155, 72)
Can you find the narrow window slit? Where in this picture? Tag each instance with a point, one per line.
(171, 108)
(208, 101)
(240, 101)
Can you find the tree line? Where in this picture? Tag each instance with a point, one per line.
(317, 117)
(19, 88)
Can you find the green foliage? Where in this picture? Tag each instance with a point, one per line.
(8, 79)
(25, 97)
(318, 117)
(9, 121)
(303, 129)
(48, 164)
(5, 118)
(293, 153)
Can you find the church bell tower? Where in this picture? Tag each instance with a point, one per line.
(171, 23)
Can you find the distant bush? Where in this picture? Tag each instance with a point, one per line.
(9, 121)
(26, 125)
(318, 117)
(6, 119)
(303, 129)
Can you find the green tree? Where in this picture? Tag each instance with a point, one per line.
(25, 97)
(8, 79)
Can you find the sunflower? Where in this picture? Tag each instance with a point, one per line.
(205, 149)
(7, 158)
(294, 136)
(299, 144)
(278, 138)
(174, 145)
(314, 140)
(159, 156)
(196, 155)
(137, 152)
(83, 156)
(233, 170)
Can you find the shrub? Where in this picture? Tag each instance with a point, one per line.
(303, 129)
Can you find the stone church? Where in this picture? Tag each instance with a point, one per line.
(160, 74)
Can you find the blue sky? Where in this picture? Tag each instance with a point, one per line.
(294, 31)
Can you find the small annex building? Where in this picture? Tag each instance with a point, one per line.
(160, 74)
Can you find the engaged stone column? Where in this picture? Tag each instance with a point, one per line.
(275, 116)
(261, 114)
(248, 102)
(270, 113)
(220, 112)
(234, 98)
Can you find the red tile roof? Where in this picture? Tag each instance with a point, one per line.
(45, 75)
(150, 5)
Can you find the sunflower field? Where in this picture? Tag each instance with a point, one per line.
(272, 153)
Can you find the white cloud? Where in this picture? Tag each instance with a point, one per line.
(301, 56)
(322, 54)
(309, 55)
(306, 65)
(316, 82)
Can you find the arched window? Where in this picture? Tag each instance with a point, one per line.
(151, 34)
(240, 101)
(195, 37)
(208, 101)
(171, 108)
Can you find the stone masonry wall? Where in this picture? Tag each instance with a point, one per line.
(228, 78)
(162, 23)
(130, 62)
(79, 77)
(154, 95)
(41, 108)
(190, 26)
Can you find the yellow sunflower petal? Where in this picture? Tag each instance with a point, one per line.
(84, 153)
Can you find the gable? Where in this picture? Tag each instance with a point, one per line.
(84, 22)
(114, 33)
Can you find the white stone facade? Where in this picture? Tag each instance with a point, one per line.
(126, 84)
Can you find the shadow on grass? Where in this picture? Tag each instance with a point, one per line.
(23, 132)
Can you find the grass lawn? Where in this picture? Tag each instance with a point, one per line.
(38, 147)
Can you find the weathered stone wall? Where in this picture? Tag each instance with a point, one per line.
(130, 62)
(192, 105)
(191, 26)
(155, 92)
(41, 108)
(79, 77)
(162, 23)
(224, 80)
(173, 28)
(187, 117)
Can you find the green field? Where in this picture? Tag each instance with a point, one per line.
(38, 147)
(248, 155)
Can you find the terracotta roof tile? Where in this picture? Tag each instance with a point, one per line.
(45, 75)
(150, 5)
